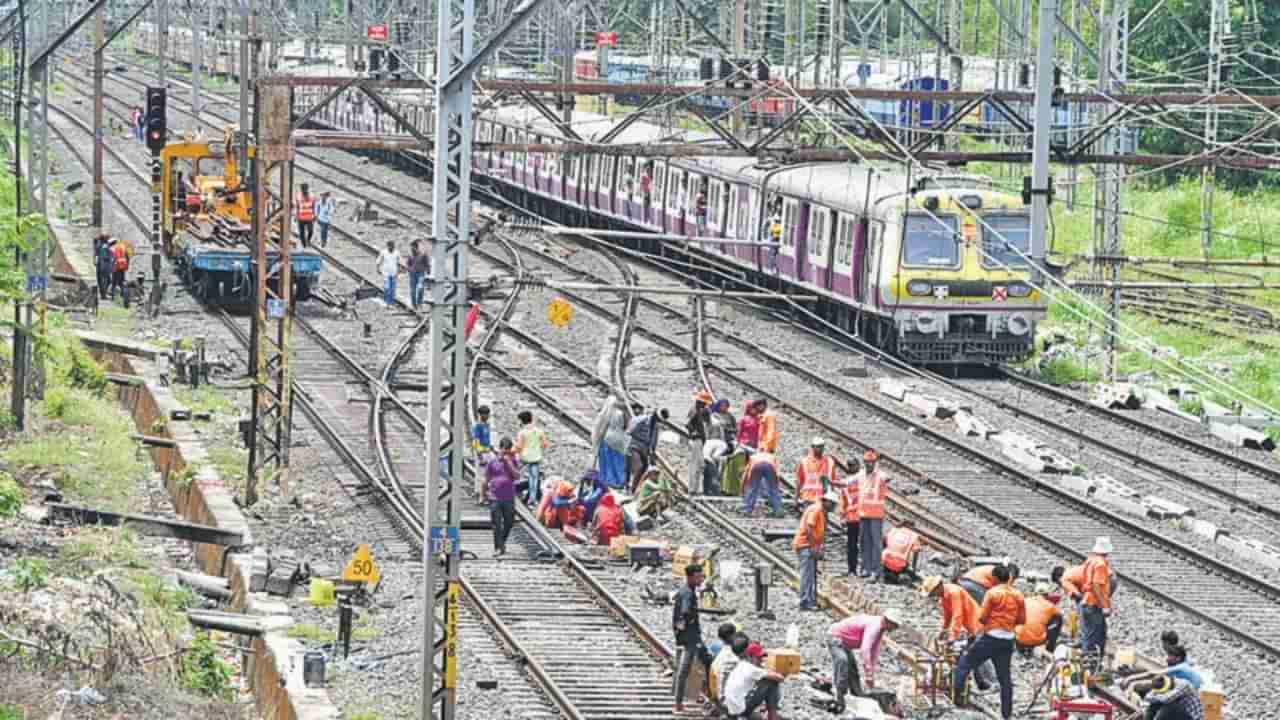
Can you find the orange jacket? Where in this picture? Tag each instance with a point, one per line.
(1002, 609)
(900, 544)
(768, 432)
(812, 530)
(982, 576)
(871, 490)
(1034, 630)
(959, 611)
(306, 207)
(1097, 572)
(1073, 580)
(607, 520)
(849, 500)
(810, 473)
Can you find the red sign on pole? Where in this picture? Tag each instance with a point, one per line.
(607, 38)
(378, 32)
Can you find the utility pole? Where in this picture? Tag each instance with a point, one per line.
(162, 41)
(1111, 77)
(446, 409)
(739, 52)
(1040, 182)
(18, 394)
(197, 58)
(1219, 27)
(567, 45)
(99, 37)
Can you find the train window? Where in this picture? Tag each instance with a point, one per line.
(722, 202)
(659, 182)
(731, 218)
(844, 241)
(790, 214)
(607, 180)
(931, 240)
(674, 189)
(818, 233)
(1003, 238)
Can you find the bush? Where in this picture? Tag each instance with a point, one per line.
(29, 574)
(202, 671)
(1064, 371)
(10, 496)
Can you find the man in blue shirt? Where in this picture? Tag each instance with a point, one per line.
(324, 215)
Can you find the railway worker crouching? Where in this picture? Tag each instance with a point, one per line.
(1044, 621)
(560, 508)
(808, 544)
(760, 477)
(1171, 698)
(959, 619)
(1003, 609)
(731, 653)
(696, 424)
(714, 454)
(751, 685)
(816, 473)
(901, 554)
(861, 634)
(688, 631)
(609, 521)
(871, 497)
(655, 493)
(980, 579)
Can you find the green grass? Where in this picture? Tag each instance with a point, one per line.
(205, 398)
(312, 633)
(231, 462)
(94, 548)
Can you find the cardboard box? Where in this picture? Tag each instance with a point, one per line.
(687, 555)
(783, 661)
(1214, 702)
(1126, 656)
(618, 545)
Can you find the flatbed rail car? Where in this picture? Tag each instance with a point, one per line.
(205, 220)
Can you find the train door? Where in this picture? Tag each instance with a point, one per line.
(843, 280)
(819, 265)
(873, 232)
(657, 215)
(790, 255)
(675, 185)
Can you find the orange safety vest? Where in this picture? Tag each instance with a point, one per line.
(871, 496)
(899, 545)
(959, 611)
(816, 518)
(1073, 580)
(1003, 608)
(121, 255)
(306, 207)
(1034, 631)
(981, 575)
(608, 519)
(1096, 570)
(810, 475)
(769, 432)
(849, 501)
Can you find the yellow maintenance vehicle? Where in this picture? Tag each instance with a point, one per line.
(206, 222)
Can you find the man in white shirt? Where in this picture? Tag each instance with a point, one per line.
(726, 660)
(750, 686)
(389, 267)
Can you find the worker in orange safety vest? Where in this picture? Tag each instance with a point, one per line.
(808, 543)
(817, 472)
(981, 579)
(1096, 605)
(849, 511)
(901, 554)
(768, 427)
(959, 611)
(305, 211)
(560, 507)
(608, 521)
(1044, 621)
(871, 499)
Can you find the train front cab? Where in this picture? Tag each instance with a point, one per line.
(954, 301)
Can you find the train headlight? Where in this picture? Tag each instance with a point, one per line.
(1019, 325)
(919, 287)
(1019, 290)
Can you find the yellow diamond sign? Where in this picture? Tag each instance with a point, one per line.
(362, 568)
(559, 312)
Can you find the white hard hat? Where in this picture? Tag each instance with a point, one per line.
(893, 615)
(1102, 545)
(818, 441)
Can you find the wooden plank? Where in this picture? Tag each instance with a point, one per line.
(146, 525)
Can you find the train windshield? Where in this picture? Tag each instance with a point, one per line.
(931, 240)
(1005, 240)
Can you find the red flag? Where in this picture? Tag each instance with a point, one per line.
(472, 315)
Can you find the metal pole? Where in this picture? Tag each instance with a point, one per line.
(18, 396)
(1043, 131)
(446, 414)
(1219, 25)
(197, 58)
(99, 35)
(162, 40)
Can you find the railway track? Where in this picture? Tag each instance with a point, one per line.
(498, 592)
(1060, 543)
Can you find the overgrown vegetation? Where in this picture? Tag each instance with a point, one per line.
(29, 574)
(10, 496)
(204, 672)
